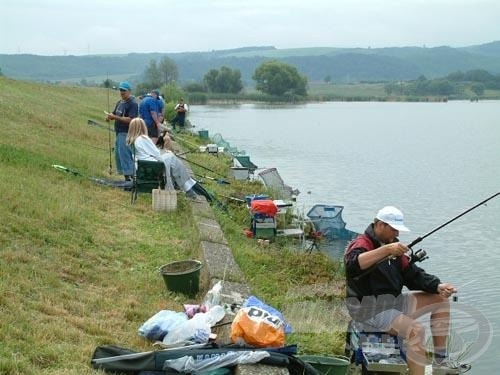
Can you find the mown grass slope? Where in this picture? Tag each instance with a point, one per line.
(78, 263)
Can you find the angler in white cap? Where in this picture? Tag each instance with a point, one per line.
(377, 269)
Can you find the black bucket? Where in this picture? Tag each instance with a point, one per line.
(182, 276)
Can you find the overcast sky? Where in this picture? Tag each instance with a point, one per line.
(69, 27)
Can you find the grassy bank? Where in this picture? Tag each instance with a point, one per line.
(78, 263)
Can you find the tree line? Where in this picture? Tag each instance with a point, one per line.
(280, 81)
(274, 78)
(477, 81)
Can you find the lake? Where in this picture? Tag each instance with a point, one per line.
(432, 160)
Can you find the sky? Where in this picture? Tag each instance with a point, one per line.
(69, 27)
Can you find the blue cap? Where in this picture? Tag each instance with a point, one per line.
(156, 92)
(125, 85)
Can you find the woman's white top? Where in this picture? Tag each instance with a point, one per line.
(145, 149)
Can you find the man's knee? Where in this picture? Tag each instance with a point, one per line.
(416, 330)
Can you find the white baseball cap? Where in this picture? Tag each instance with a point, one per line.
(393, 217)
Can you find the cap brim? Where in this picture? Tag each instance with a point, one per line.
(399, 227)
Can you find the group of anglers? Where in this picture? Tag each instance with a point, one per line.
(137, 128)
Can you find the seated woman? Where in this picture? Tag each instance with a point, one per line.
(145, 149)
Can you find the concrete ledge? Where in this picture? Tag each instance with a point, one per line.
(202, 209)
(210, 231)
(219, 262)
(233, 292)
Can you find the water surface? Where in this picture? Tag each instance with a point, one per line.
(432, 160)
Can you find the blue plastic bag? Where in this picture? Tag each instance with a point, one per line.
(254, 301)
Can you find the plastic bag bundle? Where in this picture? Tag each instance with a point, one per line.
(196, 330)
(156, 327)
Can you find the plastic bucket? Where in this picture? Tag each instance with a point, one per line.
(182, 276)
(336, 365)
(203, 134)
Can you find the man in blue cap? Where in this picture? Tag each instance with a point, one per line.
(125, 110)
(148, 110)
(161, 105)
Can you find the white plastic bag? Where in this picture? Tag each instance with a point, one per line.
(215, 314)
(156, 327)
(195, 330)
(212, 297)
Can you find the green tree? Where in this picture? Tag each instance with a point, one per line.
(224, 80)
(210, 79)
(194, 87)
(328, 79)
(153, 77)
(277, 78)
(478, 75)
(108, 83)
(168, 70)
(477, 88)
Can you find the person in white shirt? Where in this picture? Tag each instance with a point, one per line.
(181, 110)
(145, 149)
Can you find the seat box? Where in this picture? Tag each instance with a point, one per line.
(240, 173)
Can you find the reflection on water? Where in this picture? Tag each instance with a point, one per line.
(432, 160)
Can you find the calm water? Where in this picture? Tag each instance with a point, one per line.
(432, 160)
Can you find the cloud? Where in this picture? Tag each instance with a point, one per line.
(200, 25)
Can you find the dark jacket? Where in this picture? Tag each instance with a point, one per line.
(125, 108)
(387, 278)
(369, 293)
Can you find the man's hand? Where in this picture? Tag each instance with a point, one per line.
(396, 249)
(446, 290)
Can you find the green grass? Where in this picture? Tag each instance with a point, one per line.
(79, 264)
(344, 90)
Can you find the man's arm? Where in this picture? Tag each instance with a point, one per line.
(369, 258)
(156, 120)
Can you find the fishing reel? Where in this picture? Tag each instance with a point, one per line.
(418, 256)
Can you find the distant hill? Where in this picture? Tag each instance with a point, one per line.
(342, 65)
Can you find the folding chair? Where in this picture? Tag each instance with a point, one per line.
(148, 175)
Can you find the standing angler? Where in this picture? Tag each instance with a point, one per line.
(125, 110)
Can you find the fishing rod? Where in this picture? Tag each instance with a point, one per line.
(183, 140)
(421, 255)
(100, 181)
(96, 124)
(218, 180)
(201, 166)
(419, 239)
(109, 130)
(234, 198)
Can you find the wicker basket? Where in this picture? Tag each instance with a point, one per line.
(164, 200)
